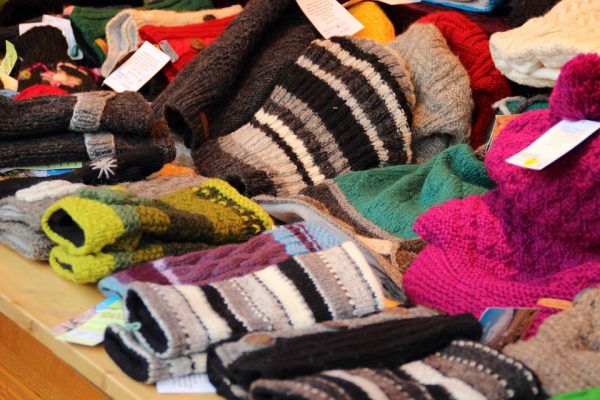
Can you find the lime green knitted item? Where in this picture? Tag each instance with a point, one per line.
(89, 22)
(103, 229)
(589, 394)
(385, 202)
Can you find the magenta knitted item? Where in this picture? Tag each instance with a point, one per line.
(224, 262)
(537, 234)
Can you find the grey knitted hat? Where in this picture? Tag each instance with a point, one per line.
(442, 116)
(344, 105)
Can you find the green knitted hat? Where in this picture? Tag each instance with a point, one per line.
(89, 23)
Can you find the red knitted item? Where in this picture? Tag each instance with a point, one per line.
(471, 44)
(40, 90)
(181, 38)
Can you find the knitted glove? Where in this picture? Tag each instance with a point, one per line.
(224, 262)
(462, 370)
(84, 113)
(183, 319)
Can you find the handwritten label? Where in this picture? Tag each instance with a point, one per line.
(555, 143)
(330, 18)
(146, 62)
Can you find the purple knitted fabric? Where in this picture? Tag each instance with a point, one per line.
(536, 235)
(224, 262)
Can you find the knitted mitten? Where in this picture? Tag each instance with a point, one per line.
(565, 353)
(84, 113)
(143, 365)
(45, 59)
(462, 370)
(122, 31)
(224, 262)
(345, 104)
(378, 341)
(184, 319)
(210, 213)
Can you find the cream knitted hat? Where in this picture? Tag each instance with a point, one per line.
(533, 54)
(122, 30)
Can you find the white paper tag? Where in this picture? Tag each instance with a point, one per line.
(197, 383)
(555, 143)
(146, 62)
(65, 27)
(330, 18)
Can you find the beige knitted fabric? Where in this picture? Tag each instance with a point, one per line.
(442, 116)
(533, 54)
(565, 353)
(122, 30)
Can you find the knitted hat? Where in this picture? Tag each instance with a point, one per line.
(471, 44)
(122, 30)
(524, 10)
(384, 202)
(533, 54)
(442, 115)
(344, 105)
(462, 370)
(89, 23)
(565, 353)
(210, 78)
(377, 25)
(184, 319)
(483, 6)
(224, 262)
(43, 51)
(279, 48)
(535, 235)
(143, 365)
(379, 343)
(134, 229)
(128, 165)
(185, 41)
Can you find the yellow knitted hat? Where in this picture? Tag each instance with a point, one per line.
(377, 25)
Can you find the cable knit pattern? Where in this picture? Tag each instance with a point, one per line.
(533, 54)
(534, 236)
(122, 30)
(224, 262)
(471, 44)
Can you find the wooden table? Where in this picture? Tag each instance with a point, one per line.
(34, 365)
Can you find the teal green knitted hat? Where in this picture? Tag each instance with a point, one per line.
(384, 202)
(89, 23)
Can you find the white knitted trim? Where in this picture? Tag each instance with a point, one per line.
(48, 190)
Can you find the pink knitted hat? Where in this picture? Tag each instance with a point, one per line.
(537, 234)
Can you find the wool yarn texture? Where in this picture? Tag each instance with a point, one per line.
(442, 114)
(122, 35)
(533, 53)
(524, 10)
(182, 320)
(565, 353)
(38, 90)
(481, 6)
(185, 41)
(89, 23)
(471, 44)
(379, 343)
(345, 104)
(535, 234)
(135, 229)
(225, 262)
(463, 370)
(385, 202)
(260, 32)
(377, 26)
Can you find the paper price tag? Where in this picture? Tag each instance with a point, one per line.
(198, 383)
(555, 143)
(146, 62)
(330, 18)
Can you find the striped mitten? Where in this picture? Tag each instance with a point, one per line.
(301, 291)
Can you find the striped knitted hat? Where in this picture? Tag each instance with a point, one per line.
(345, 104)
